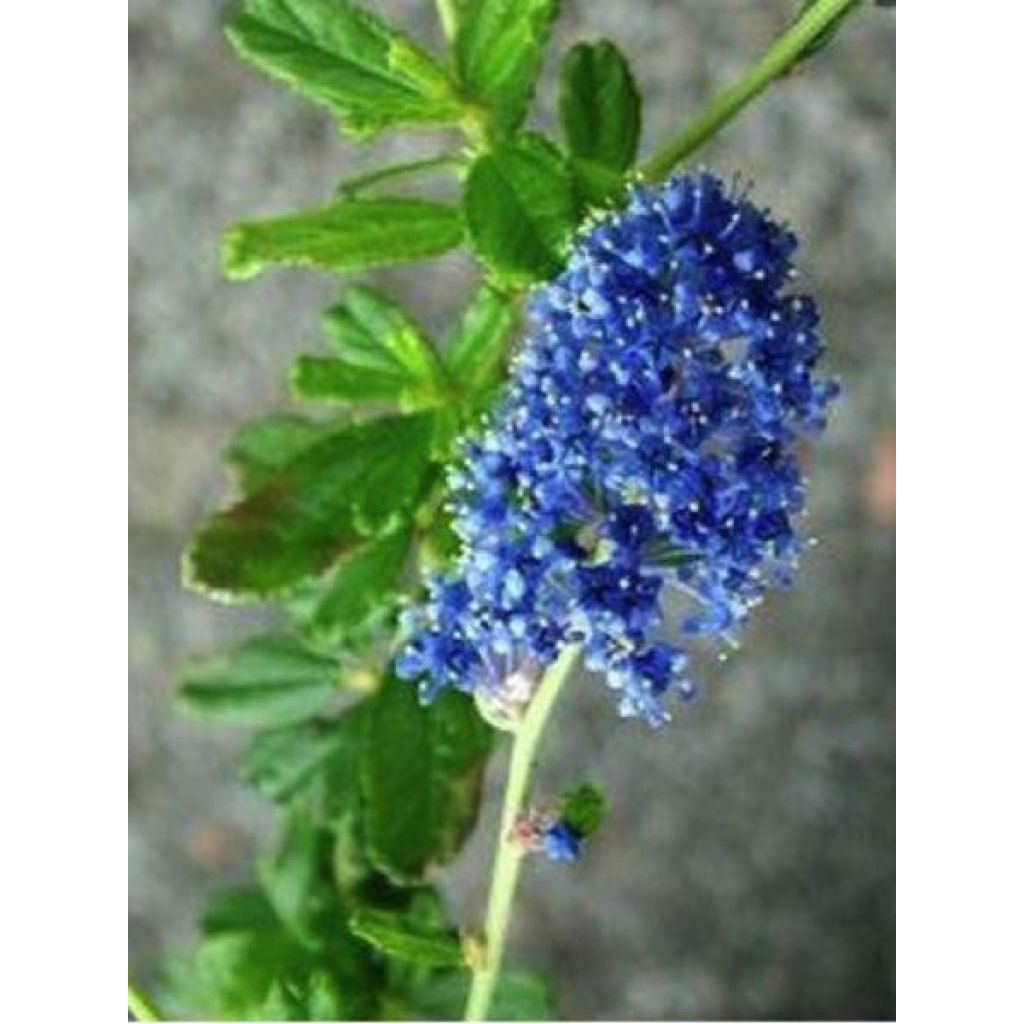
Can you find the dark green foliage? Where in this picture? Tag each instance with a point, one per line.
(392, 933)
(332, 513)
(319, 506)
(520, 209)
(261, 448)
(359, 593)
(286, 764)
(583, 809)
(600, 113)
(421, 773)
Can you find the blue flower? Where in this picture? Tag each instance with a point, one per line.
(560, 843)
(646, 446)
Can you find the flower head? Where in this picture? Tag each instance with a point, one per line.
(646, 444)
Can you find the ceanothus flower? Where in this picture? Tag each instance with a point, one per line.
(646, 446)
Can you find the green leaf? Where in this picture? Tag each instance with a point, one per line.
(284, 764)
(262, 448)
(270, 680)
(352, 483)
(326, 999)
(295, 877)
(519, 995)
(248, 966)
(360, 590)
(342, 796)
(382, 355)
(499, 50)
(520, 210)
(421, 773)
(600, 111)
(231, 975)
(356, 235)
(391, 933)
(583, 809)
(232, 910)
(365, 72)
(479, 346)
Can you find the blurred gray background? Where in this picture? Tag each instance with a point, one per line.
(748, 868)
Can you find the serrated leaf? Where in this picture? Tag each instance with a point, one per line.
(600, 112)
(499, 50)
(286, 763)
(479, 345)
(392, 933)
(421, 774)
(382, 355)
(361, 588)
(352, 483)
(368, 74)
(583, 809)
(520, 210)
(270, 680)
(359, 234)
(260, 449)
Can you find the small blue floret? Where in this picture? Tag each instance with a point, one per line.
(560, 843)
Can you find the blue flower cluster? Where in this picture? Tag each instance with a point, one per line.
(646, 444)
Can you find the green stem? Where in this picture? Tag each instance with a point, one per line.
(139, 1005)
(351, 187)
(508, 857)
(783, 54)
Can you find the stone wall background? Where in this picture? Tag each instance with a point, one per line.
(748, 870)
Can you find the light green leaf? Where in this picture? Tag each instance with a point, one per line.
(359, 234)
(392, 933)
(520, 210)
(382, 355)
(499, 50)
(479, 346)
(428, 761)
(270, 680)
(365, 72)
(262, 448)
(600, 112)
(321, 505)
(287, 763)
